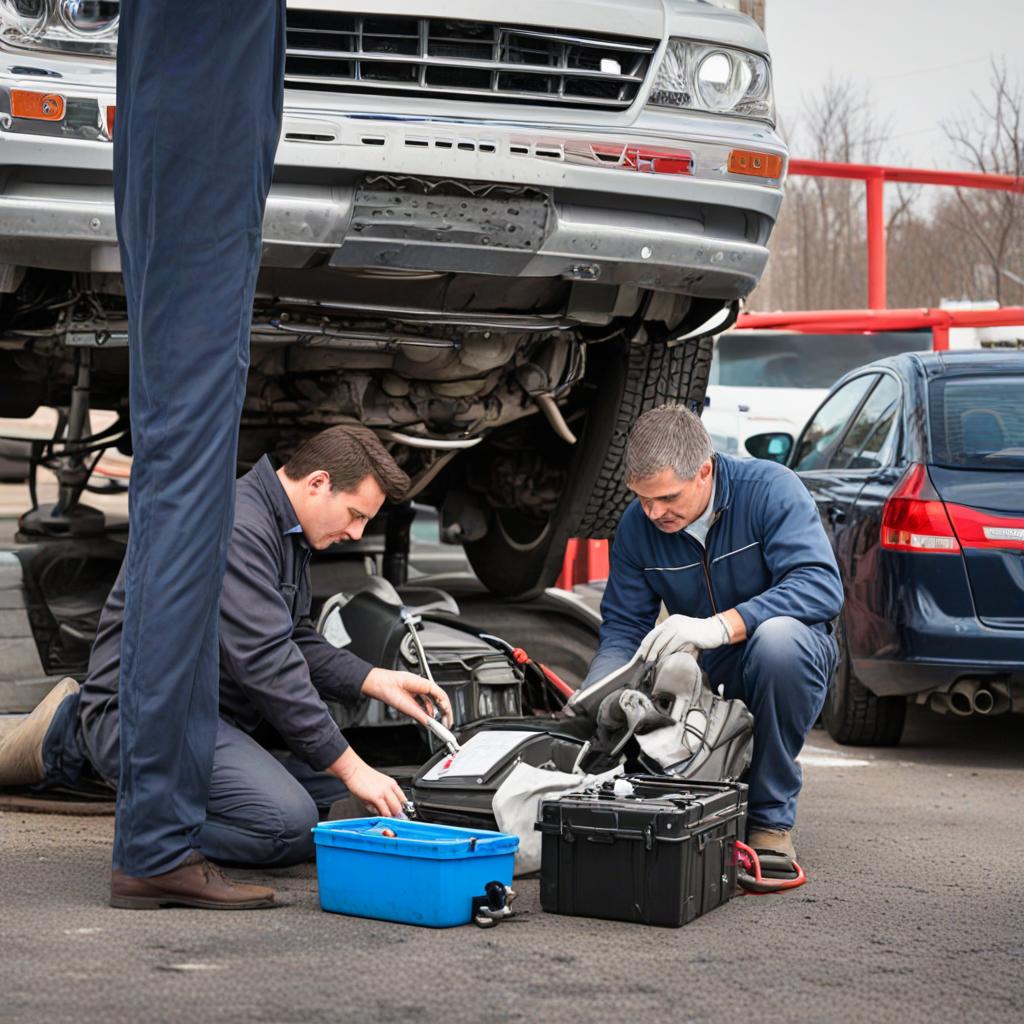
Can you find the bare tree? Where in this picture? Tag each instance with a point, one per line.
(818, 246)
(966, 244)
(990, 224)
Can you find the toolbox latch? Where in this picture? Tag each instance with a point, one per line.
(649, 837)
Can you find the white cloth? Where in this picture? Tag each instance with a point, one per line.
(516, 805)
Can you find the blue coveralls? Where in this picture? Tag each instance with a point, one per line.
(199, 98)
(766, 555)
(275, 668)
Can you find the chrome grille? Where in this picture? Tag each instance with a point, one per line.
(507, 63)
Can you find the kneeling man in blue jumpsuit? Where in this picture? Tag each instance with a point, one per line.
(735, 551)
(274, 668)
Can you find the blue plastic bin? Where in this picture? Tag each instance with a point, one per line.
(426, 874)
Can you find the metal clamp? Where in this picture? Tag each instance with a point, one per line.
(494, 906)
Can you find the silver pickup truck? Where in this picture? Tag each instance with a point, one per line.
(496, 235)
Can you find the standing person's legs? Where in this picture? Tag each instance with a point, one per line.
(198, 118)
(781, 673)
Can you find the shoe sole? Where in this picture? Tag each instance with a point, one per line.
(159, 903)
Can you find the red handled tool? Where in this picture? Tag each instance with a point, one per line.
(754, 882)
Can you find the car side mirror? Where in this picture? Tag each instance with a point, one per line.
(774, 447)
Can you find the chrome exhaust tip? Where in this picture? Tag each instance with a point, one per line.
(961, 697)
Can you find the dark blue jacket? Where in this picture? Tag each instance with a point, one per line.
(274, 666)
(767, 555)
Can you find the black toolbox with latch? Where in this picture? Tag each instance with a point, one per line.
(663, 855)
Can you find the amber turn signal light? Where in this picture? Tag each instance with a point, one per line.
(37, 106)
(758, 165)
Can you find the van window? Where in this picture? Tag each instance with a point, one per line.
(783, 360)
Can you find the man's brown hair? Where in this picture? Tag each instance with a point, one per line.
(348, 454)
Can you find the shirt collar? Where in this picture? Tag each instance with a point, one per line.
(699, 527)
(285, 515)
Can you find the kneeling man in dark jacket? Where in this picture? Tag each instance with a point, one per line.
(735, 551)
(275, 668)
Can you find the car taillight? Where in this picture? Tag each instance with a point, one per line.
(977, 529)
(915, 519)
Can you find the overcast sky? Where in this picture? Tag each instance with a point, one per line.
(920, 59)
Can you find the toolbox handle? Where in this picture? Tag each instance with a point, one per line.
(570, 832)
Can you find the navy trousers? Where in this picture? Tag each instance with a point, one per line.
(261, 804)
(782, 674)
(199, 97)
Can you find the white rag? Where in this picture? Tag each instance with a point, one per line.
(516, 805)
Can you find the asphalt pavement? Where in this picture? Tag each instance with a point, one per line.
(913, 912)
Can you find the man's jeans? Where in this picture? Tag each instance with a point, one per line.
(782, 674)
(200, 87)
(262, 805)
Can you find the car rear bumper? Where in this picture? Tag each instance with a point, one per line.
(906, 677)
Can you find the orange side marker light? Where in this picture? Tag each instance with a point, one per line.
(37, 106)
(757, 165)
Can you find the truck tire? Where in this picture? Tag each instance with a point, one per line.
(852, 714)
(518, 559)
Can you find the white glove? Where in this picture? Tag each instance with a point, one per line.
(682, 633)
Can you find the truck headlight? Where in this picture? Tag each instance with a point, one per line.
(63, 26)
(722, 80)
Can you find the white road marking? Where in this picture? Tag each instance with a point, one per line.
(820, 757)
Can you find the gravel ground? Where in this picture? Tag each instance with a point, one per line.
(913, 913)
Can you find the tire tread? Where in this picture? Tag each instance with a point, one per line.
(656, 374)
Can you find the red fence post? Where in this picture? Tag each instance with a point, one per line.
(876, 241)
(940, 338)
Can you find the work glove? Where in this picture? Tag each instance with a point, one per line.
(683, 633)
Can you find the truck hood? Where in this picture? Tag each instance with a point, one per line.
(639, 18)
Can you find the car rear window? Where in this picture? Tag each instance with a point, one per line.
(977, 422)
(781, 360)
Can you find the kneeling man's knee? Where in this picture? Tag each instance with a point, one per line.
(777, 641)
(293, 836)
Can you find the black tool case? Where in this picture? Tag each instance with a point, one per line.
(664, 855)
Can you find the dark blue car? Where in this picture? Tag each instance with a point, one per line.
(916, 463)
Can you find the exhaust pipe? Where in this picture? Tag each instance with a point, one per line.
(992, 700)
(939, 703)
(961, 697)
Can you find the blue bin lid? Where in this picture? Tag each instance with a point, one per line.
(413, 838)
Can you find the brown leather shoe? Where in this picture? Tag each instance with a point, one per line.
(194, 883)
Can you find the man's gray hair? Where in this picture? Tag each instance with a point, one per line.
(669, 437)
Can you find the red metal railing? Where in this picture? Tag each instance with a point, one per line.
(852, 321)
(875, 178)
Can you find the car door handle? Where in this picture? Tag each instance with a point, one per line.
(836, 515)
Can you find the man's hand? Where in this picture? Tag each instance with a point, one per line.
(381, 794)
(412, 695)
(682, 633)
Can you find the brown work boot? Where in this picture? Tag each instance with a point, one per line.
(21, 750)
(772, 840)
(194, 883)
